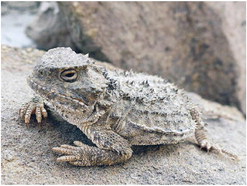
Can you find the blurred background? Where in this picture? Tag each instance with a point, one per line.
(200, 46)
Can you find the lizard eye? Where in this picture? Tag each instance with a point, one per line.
(69, 75)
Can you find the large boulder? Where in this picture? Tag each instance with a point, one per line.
(27, 157)
(189, 43)
(234, 28)
(49, 29)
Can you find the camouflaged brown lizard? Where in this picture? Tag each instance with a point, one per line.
(115, 109)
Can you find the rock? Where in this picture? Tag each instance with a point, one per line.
(45, 29)
(20, 6)
(27, 157)
(15, 17)
(214, 110)
(185, 42)
(234, 28)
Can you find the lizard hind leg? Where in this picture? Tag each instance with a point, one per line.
(204, 143)
(202, 139)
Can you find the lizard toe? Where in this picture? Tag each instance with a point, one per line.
(35, 106)
(67, 158)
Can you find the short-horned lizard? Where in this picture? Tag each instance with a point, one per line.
(115, 109)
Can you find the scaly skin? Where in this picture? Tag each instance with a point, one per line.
(114, 108)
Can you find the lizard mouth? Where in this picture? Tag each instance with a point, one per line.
(50, 94)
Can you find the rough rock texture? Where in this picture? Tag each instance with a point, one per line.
(48, 25)
(234, 28)
(187, 42)
(27, 157)
(15, 17)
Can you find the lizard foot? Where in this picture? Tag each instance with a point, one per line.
(79, 155)
(223, 151)
(84, 155)
(205, 144)
(71, 153)
(36, 106)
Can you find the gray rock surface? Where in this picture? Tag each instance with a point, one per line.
(47, 26)
(27, 157)
(16, 16)
(234, 28)
(190, 43)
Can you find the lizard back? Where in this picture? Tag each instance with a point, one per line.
(148, 103)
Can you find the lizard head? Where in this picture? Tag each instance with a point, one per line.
(67, 80)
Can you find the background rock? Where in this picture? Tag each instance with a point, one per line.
(15, 18)
(49, 29)
(193, 44)
(234, 28)
(27, 157)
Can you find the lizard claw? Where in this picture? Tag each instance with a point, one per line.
(71, 153)
(35, 106)
(66, 158)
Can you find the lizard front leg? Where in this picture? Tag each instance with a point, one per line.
(111, 149)
(36, 105)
